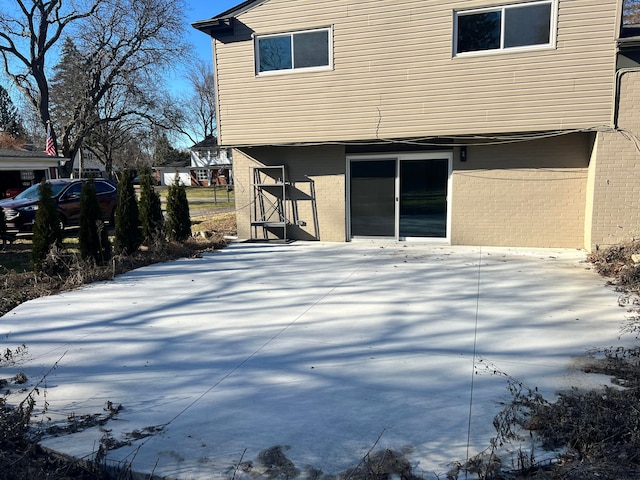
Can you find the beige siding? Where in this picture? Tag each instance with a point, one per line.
(324, 166)
(526, 194)
(394, 75)
(615, 198)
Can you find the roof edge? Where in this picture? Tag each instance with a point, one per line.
(223, 22)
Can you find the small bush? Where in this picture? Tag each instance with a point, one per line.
(47, 231)
(151, 218)
(178, 218)
(629, 277)
(93, 236)
(127, 231)
(610, 261)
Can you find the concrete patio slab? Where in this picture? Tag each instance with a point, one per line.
(325, 350)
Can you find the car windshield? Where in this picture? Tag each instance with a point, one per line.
(31, 193)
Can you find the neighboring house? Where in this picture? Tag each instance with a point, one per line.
(166, 173)
(20, 169)
(212, 165)
(469, 122)
(208, 165)
(86, 164)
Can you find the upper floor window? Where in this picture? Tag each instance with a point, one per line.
(307, 49)
(500, 28)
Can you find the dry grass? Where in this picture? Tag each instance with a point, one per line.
(223, 224)
(617, 263)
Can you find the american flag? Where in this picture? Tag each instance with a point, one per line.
(50, 148)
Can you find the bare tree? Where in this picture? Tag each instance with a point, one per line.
(116, 137)
(127, 49)
(122, 48)
(631, 12)
(27, 36)
(202, 107)
(194, 115)
(106, 123)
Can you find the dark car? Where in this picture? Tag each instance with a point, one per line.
(20, 211)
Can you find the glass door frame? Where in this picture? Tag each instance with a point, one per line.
(399, 157)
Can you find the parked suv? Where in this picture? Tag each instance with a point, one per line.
(20, 211)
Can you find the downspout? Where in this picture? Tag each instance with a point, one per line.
(616, 100)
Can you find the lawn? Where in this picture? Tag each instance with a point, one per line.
(222, 193)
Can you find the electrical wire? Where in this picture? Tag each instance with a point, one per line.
(444, 141)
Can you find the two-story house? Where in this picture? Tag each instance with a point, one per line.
(207, 165)
(509, 123)
(212, 165)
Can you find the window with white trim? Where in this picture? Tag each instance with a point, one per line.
(303, 50)
(202, 175)
(504, 27)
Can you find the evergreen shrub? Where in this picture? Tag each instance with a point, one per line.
(151, 218)
(93, 236)
(127, 231)
(178, 218)
(47, 230)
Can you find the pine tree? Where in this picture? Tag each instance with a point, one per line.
(93, 236)
(151, 218)
(631, 12)
(178, 218)
(47, 231)
(10, 121)
(127, 231)
(70, 89)
(166, 154)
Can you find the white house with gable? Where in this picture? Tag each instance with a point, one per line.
(209, 165)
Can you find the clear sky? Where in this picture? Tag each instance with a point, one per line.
(198, 10)
(202, 10)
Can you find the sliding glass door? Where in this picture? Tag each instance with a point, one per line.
(402, 197)
(373, 190)
(423, 198)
